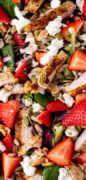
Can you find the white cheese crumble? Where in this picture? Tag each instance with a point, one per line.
(2, 147)
(36, 107)
(55, 3)
(27, 102)
(21, 22)
(54, 26)
(32, 47)
(37, 177)
(64, 175)
(53, 50)
(34, 63)
(71, 132)
(82, 37)
(69, 101)
(79, 4)
(28, 169)
(4, 95)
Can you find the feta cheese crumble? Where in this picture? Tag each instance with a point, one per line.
(32, 47)
(79, 4)
(54, 26)
(4, 95)
(55, 3)
(28, 169)
(63, 174)
(21, 22)
(36, 107)
(68, 99)
(71, 132)
(56, 44)
(2, 147)
(82, 37)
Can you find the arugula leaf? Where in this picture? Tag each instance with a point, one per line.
(43, 99)
(9, 6)
(51, 172)
(8, 50)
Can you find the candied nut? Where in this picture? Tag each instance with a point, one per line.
(3, 28)
(42, 35)
(38, 161)
(3, 130)
(47, 164)
(36, 141)
(1, 43)
(41, 152)
(27, 87)
(54, 89)
(38, 128)
(8, 87)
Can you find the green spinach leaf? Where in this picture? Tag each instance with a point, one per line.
(51, 172)
(8, 5)
(43, 100)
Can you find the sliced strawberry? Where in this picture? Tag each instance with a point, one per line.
(77, 116)
(19, 41)
(4, 18)
(8, 112)
(38, 56)
(80, 97)
(8, 142)
(1, 62)
(22, 71)
(9, 164)
(76, 25)
(18, 1)
(45, 118)
(78, 61)
(56, 106)
(81, 158)
(84, 7)
(62, 153)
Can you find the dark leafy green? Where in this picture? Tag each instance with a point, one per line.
(43, 100)
(68, 74)
(51, 172)
(8, 5)
(1, 178)
(28, 96)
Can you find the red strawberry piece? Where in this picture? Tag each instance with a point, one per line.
(22, 71)
(62, 153)
(77, 116)
(8, 142)
(84, 7)
(81, 159)
(19, 41)
(38, 56)
(80, 97)
(4, 18)
(76, 25)
(8, 112)
(56, 106)
(9, 164)
(1, 62)
(78, 61)
(45, 118)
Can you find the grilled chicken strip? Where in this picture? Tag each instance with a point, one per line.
(75, 172)
(33, 5)
(65, 10)
(77, 85)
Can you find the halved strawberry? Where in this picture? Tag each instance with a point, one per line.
(9, 164)
(78, 61)
(18, 1)
(19, 41)
(76, 25)
(62, 153)
(45, 118)
(8, 112)
(80, 97)
(1, 62)
(81, 158)
(8, 142)
(56, 106)
(77, 116)
(38, 56)
(4, 18)
(22, 71)
(84, 8)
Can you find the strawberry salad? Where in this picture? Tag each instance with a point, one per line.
(43, 90)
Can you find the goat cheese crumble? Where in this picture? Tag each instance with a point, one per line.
(2, 147)
(63, 174)
(36, 107)
(55, 3)
(21, 22)
(69, 101)
(28, 169)
(79, 4)
(56, 44)
(71, 132)
(54, 26)
(82, 37)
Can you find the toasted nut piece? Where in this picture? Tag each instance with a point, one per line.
(64, 10)
(7, 78)
(33, 5)
(42, 35)
(80, 144)
(47, 164)
(54, 89)
(3, 130)
(38, 128)
(38, 161)
(75, 172)
(8, 87)
(41, 152)
(77, 85)
(36, 141)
